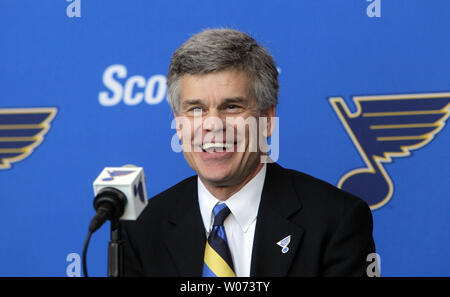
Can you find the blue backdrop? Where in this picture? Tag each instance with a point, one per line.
(67, 55)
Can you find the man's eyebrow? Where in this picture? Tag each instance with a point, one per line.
(189, 102)
(235, 100)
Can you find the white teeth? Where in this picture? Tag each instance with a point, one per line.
(211, 145)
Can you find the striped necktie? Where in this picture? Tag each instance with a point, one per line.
(218, 262)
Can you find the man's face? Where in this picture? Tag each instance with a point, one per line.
(219, 149)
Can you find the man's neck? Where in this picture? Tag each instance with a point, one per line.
(224, 192)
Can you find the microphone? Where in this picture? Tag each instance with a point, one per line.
(119, 194)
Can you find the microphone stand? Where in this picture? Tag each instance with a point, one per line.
(115, 251)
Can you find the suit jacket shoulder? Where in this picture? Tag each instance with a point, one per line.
(325, 199)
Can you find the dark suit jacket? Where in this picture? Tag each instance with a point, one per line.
(331, 230)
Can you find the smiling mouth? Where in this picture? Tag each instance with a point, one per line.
(212, 147)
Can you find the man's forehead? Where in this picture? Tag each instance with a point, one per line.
(224, 77)
(218, 87)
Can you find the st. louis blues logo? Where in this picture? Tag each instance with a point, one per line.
(21, 131)
(284, 244)
(383, 127)
(114, 173)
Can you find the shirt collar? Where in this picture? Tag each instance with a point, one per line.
(243, 205)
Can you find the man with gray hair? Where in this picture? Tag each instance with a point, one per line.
(242, 214)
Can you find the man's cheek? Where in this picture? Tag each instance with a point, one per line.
(197, 140)
(185, 139)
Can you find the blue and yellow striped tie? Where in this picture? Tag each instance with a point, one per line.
(218, 261)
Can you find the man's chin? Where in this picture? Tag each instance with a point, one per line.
(215, 179)
(216, 176)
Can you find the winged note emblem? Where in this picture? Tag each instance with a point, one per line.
(21, 131)
(383, 127)
(284, 244)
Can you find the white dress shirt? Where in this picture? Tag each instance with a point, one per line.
(240, 224)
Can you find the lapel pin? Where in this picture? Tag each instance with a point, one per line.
(284, 244)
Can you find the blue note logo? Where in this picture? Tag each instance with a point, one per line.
(115, 173)
(21, 131)
(284, 244)
(383, 127)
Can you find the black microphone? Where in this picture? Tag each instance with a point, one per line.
(120, 194)
(109, 204)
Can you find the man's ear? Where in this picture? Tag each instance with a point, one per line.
(270, 115)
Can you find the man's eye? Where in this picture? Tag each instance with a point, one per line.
(232, 106)
(196, 109)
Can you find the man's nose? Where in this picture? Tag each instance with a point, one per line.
(213, 122)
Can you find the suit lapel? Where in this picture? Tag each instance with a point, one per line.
(185, 234)
(278, 203)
